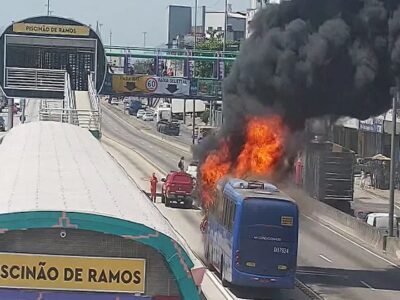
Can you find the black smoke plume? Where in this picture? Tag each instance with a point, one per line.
(312, 58)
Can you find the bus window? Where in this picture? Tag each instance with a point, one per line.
(220, 208)
(226, 212)
(231, 216)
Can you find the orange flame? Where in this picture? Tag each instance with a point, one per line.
(215, 166)
(263, 147)
(262, 150)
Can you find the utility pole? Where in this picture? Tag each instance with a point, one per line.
(10, 124)
(110, 38)
(48, 8)
(226, 24)
(23, 107)
(393, 147)
(194, 121)
(144, 39)
(195, 25)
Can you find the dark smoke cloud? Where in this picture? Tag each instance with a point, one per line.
(313, 58)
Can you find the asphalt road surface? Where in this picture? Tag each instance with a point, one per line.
(330, 263)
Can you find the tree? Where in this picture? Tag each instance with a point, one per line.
(214, 43)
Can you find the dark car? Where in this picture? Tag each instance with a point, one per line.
(168, 128)
(177, 187)
(2, 124)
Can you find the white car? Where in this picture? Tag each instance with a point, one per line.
(114, 101)
(192, 170)
(148, 116)
(140, 113)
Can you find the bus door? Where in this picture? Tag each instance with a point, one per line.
(268, 237)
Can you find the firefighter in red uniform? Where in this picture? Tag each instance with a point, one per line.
(299, 171)
(153, 187)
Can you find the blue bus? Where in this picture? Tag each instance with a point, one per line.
(251, 236)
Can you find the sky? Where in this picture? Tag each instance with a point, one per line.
(126, 19)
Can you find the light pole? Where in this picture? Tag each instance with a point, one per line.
(195, 24)
(225, 24)
(48, 8)
(144, 39)
(393, 147)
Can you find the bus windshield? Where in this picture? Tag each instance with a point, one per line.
(268, 237)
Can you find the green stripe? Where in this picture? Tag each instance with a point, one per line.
(109, 225)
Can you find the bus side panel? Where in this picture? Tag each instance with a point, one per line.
(220, 245)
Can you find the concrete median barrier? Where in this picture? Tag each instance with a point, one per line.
(336, 219)
(393, 247)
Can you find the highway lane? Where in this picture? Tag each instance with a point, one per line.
(334, 266)
(186, 221)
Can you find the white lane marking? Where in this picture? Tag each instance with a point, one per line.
(354, 243)
(325, 258)
(367, 285)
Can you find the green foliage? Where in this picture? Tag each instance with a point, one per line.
(204, 69)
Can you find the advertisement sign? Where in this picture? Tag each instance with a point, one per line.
(30, 271)
(51, 29)
(372, 125)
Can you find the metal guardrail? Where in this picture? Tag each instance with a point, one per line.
(35, 79)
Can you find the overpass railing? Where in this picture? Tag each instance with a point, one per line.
(84, 118)
(35, 79)
(68, 113)
(93, 96)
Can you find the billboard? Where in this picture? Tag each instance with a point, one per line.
(179, 22)
(31, 271)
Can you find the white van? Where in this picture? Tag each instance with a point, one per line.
(381, 221)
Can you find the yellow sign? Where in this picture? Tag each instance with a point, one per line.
(131, 84)
(286, 221)
(72, 273)
(51, 29)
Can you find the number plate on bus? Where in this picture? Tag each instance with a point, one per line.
(281, 250)
(286, 221)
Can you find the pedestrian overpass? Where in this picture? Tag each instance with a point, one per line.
(58, 61)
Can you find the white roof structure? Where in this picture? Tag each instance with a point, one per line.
(50, 166)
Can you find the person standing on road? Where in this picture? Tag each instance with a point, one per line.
(153, 187)
(181, 164)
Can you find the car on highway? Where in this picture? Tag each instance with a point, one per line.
(114, 101)
(2, 124)
(140, 113)
(148, 116)
(381, 222)
(192, 169)
(177, 188)
(168, 128)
